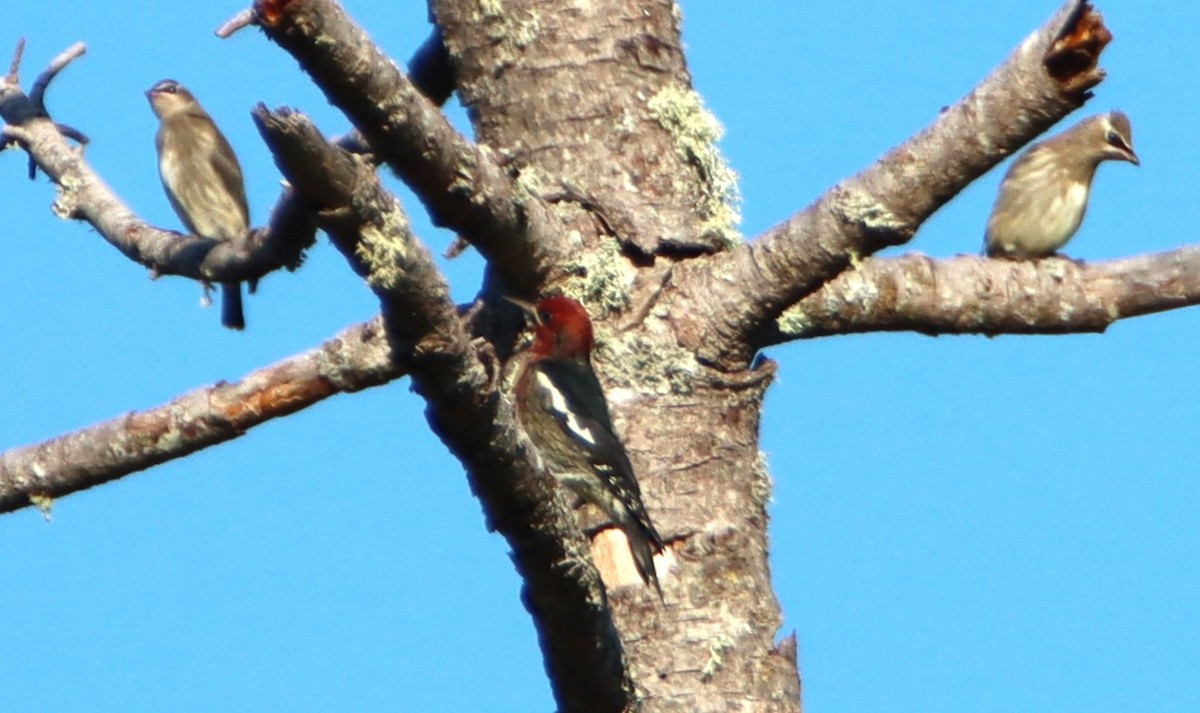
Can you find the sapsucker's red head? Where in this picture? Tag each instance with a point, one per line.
(562, 407)
(562, 329)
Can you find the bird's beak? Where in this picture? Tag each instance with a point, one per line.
(1132, 158)
(526, 307)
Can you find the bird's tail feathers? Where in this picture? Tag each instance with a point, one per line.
(644, 542)
(231, 306)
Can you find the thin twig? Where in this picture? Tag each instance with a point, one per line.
(14, 69)
(58, 64)
(243, 19)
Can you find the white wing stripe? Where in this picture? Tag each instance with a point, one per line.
(558, 403)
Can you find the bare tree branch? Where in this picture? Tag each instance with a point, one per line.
(240, 21)
(35, 107)
(972, 295)
(462, 185)
(358, 358)
(1046, 78)
(37, 94)
(83, 195)
(562, 588)
(430, 73)
(14, 67)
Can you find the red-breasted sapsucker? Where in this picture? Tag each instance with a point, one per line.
(562, 408)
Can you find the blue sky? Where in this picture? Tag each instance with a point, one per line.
(959, 523)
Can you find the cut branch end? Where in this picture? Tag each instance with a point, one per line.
(1074, 56)
(269, 12)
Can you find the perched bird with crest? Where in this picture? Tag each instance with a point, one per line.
(562, 408)
(202, 178)
(1044, 195)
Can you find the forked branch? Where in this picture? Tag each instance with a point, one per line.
(464, 186)
(743, 291)
(83, 195)
(563, 591)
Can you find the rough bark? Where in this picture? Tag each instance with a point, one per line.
(463, 185)
(575, 96)
(358, 358)
(592, 173)
(743, 291)
(971, 295)
(365, 222)
(84, 195)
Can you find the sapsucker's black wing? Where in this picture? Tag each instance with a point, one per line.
(577, 400)
(570, 391)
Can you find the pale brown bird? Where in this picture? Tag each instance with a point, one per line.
(202, 178)
(1044, 195)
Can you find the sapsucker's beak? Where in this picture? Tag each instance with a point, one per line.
(528, 308)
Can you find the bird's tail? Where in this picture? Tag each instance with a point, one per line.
(644, 542)
(231, 306)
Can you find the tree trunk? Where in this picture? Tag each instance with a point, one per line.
(592, 103)
(593, 174)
